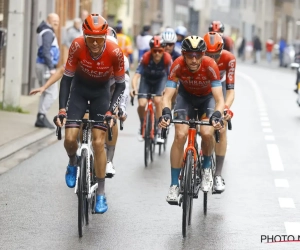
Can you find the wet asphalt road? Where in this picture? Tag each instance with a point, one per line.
(38, 211)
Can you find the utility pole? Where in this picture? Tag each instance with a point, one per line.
(14, 53)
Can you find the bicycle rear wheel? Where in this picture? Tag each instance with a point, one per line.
(81, 192)
(187, 193)
(147, 140)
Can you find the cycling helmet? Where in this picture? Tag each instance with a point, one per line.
(111, 32)
(182, 31)
(193, 44)
(157, 42)
(216, 26)
(94, 24)
(112, 38)
(214, 42)
(169, 36)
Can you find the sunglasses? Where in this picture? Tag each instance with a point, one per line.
(92, 39)
(213, 55)
(159, 51)
(170, 44)
(191, 55)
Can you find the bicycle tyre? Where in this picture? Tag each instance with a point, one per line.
(205, 203)
(80, 194)
(147, 140)
(187, 192)
(93, 182)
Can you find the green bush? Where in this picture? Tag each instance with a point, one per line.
(11, 108)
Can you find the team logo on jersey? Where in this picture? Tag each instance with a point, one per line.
(120, 56)
(74, 47)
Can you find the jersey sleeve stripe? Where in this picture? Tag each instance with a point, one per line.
(216, 83)
(171, 84)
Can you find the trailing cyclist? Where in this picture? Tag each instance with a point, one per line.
(200, 87)
(153, 71)
(226, 63)
(91, 61)
(169, 36)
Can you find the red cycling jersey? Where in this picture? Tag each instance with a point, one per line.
(108, 65)
(226, 66)
(197, 83)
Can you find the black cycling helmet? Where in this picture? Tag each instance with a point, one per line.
(193, 44)
(216, 26)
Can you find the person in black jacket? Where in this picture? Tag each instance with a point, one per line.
(47, 59)
(256, 49)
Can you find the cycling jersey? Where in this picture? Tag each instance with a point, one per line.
(175, 55)
(228, 43)
(154, 71)
(198, 83)
(91, 80)
(226, 65)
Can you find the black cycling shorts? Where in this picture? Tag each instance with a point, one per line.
(186, 104)
(80, 94)
(156, 88)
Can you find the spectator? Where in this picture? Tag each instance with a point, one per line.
(241, 48)
(73, 32)
(257, 49)
(142, 41)
(269, 49)
(124, 42)
(282, 45)
(47, 59)
(84, 15)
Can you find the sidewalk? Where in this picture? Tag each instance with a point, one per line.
(18, 130)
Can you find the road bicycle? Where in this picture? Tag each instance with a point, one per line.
(86, 182)
(190, 175)
(148, 129)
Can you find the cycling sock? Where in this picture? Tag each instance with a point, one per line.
(206, 161)
(110, 151)
(219, 164)
(73, 160)
(142, 122)
(101, 185)
(175, 172)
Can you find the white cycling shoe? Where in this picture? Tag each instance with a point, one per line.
(207, 180)
(219, 184)
(110, 169)
(172, 197)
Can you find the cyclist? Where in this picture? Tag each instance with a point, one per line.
(217, 26)
(200, 87)
(91, 61)
(181, 33)
(153, 70)
(170, 38)
(110, 145)
(226, 63)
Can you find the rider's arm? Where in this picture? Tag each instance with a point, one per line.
(170, 91)
(124, 99)
(218, 95)
(230, 79)
(135, 80)
(70, 68)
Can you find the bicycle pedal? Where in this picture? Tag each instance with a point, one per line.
(109, 176)
(173, 203)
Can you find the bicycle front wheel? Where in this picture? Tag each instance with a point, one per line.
(187, 201)
(147, 139)
(81, 193)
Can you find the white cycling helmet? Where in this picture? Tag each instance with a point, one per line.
(181, 30)
(169, 36)
(111, 38)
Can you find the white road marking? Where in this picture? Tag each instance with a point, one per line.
(292, 228)
(274, 156)
(267, 130)
(281, 183)
(264, 118)
(286, 203)
(265, 124)
(269, 138)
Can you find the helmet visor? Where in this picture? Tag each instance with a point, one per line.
(191, 55)
(92, 39)
(214, 56)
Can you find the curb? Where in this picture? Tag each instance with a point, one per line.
(20, 149)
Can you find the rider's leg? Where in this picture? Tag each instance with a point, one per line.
(144, 88)
(110, 150)
(220, 149)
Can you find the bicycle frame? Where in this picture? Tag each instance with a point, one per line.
(150, 108)
(87, 144)
(191, 144)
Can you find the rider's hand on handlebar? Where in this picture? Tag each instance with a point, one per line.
(133, 92)
(60, 119)
(112, 121)
(123, 115)
(216, 120)
(228, 114)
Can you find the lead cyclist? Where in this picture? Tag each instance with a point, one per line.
(110, 145)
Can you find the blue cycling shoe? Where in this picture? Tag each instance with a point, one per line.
(101, 205)
(71, 176)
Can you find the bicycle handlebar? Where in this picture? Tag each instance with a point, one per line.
(85, 121)
(120, 114)
(229, 121)
(190, 123)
